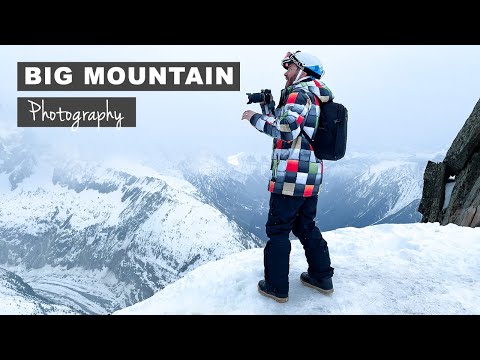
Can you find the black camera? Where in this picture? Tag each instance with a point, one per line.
(263, 96)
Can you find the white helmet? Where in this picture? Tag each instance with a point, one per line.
(305, 61)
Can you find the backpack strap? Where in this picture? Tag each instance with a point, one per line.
(309, 139)
(306, 137)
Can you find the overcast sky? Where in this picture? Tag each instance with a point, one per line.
(388, 269)
(400, 98)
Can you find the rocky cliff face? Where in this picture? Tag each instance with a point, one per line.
(451, 191)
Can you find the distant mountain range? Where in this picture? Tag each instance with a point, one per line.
(359, 190)
(96, 237)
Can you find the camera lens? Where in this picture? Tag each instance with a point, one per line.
(255, 98)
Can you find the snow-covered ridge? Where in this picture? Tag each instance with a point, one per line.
(389, 269)
(389, 155)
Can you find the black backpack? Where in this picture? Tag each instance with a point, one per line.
(330, 140)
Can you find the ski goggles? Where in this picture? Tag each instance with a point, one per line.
(291, 58)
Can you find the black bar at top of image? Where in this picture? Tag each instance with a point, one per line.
(326, 24)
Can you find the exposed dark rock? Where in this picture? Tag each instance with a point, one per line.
(433, 196)
(461, 163)
(465, 143)
(466, 194)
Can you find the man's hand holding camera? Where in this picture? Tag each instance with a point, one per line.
(263, 98)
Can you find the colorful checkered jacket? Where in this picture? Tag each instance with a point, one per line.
(295, 169)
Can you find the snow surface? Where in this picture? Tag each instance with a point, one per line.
(421, 268)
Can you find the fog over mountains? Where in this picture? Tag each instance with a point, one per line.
(96, 237)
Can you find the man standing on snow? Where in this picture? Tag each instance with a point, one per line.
(296, 177)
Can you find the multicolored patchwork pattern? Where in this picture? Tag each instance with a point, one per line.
(295, 169)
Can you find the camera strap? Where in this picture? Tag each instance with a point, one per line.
(283, 98)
